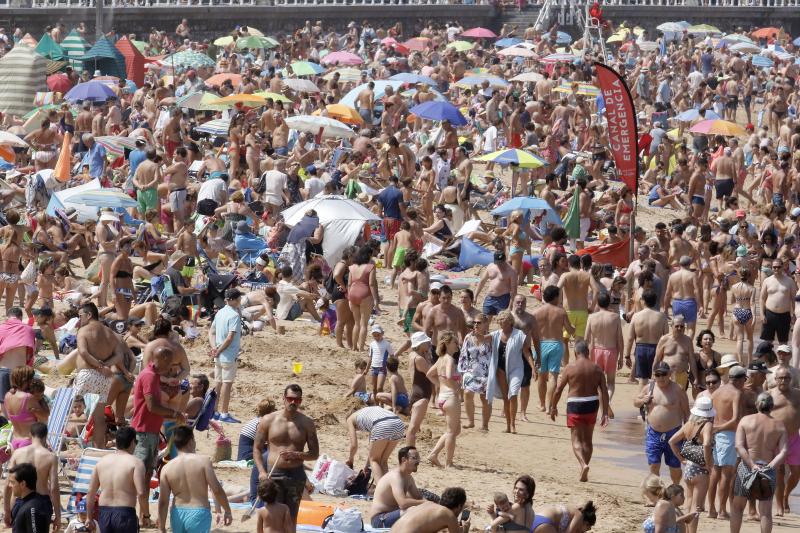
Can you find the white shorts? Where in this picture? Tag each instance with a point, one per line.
(91, 381)
(586, 223)
(224, 372)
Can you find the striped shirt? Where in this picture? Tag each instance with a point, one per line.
(249, 429)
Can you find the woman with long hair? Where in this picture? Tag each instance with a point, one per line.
(445, 372)
(122, 279)
(362, 294)
(744, 301)
(337, 288)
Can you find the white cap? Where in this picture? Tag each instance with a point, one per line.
(785, 348)
(419, 337)
(376, 328)
(108, 216)
(703, 407)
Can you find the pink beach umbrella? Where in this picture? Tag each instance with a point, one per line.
(479, 33)
(341, 58)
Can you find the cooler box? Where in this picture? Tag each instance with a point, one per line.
(314, 513)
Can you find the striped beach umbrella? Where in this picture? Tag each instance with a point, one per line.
(345, 74)
(306, 68)
(559, 58)
(584, 89)
(188, 59)
(521, 158)
(218, 127)
(74, 48)
(22, 75)
(762, 61)
(200, 101)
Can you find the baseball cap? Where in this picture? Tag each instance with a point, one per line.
(763, 348)
(759, 366)
(232, 294)
(376, 328)
(785, 348)
(737, 372)
(419, 337)
(661, 369)
(311, 169)
(80, 506)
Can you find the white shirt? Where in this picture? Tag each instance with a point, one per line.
(275, 185)
(379, 351)
(314, 185)
(287, 292)
(490, 139)
(213, 189)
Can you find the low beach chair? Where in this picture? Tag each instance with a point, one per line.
(59, 416)
(83, 475)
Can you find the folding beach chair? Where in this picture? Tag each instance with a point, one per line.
(59, 416)
(203, 418)
(83, 475)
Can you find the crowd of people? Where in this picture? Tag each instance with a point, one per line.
(117, 295)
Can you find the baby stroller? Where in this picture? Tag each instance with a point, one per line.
(212, 299)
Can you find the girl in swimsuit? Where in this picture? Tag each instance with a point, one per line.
(419, 362)
(444, 371)
(518, 232)
(17, 402)
(665, 515)
(565, 519)
(744, 298)
(106, 235)
(122, 279)
(362, 293)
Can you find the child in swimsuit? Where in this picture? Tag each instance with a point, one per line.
(398, 397)
(358, 387)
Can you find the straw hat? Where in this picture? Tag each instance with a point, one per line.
(728, 360)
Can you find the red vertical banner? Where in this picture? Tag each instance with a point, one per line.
(622, 130)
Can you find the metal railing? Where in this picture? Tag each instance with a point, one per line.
(679, 3)
(235, 3)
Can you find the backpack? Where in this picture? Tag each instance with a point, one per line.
(344, 521)
(260, 186)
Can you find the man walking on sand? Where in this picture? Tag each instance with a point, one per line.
(122, 478)
(677, 351)
(286, 433)
(225, 337)
(684, 293)
(587, 393)
(189, 477)
(553, 322)
(787, 410)
(502, 280)
(605, 340)
(761, 445)
(647, 328)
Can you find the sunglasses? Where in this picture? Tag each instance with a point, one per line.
(712, 382)
(293, 399)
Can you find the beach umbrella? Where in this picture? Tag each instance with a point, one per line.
(796, 42)
(559, 58)
(255, 42)
(140, 45)
(218, 127)
(737, 38)
(188, 59)
(461, 46)
(762, 61)
(389, 41)
(528, 203)
(329, 127)
(766, 33)
(417, 44)
(516, 51)
(439, 111)
(22, 75)
(48, 48)
(437, 96)
(471, 81)
(561, 37)
(479, 33)
(8, 138)
(672, 27)
(219, 79)
(249, 30)
(305, 68)
(275, 97)
(703, 29)
(693, 114)
(224, 41)
(43, 110)
(342, 113)
(248, 100)
(521, 158)
(346, 74)
(342, 57)
(113, 198)
(92, 91)
(528, 77)
(508, 41)
(74, 47)
(746, 48)
(584, 89)
(200, 101)
(718, 127)
(59, 83)
(408, 77)
(105, 57)
(301, 86)
(379, 91)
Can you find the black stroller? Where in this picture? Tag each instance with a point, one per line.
(212, 299)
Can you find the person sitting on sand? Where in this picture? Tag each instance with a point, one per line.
(398, 395)
(431, 517)
(396, 491)
(358, 387)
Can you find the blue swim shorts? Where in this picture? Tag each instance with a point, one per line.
(656, 444)
(552, 353)
(492, 305)
(190, 520)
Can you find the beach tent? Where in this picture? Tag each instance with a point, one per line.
(49, 48)
(22, 74)
(134, 61)
(74, 49)
(105, 58)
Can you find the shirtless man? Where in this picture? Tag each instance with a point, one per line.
(146, 180)
(171, 137)
(189, 477)
(83, 124)
(553, 322)
(413, 286)
(178, 173)
(777, 292)
(211, 167)
(445, 317)
(424, 308)
(502, 281)
(606, 343)
(280, 136)
(46, 464)
(787, 410)
(667, 409)
(677, 351)
(576, 285)
(286, 433)
(431, 517)
(727, 401)
(98, 349)
(761, 444)
(526, 322)
(396, 491)
(122, 478)
(684, 293)
(587, 393)
(365, 103)
(679, 247)
(725, 169)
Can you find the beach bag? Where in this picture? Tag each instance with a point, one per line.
(28, 276)
(222, 449)
(344, 521)
(93, 272)
(338, 474)
(691, 450)
(320, 472)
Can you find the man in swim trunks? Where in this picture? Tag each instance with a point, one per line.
(587, 389)
(502, 281)
(431, 517)
(727, 402)
(576, 285)
(396, 491)
(777, 292)
(677, 351)
(189, 476)
(696, 189)
(146, 180)
(647, 327)
(684, 293)
(553, 322)
(286, 432)
(724, 168)
(761, 443)
(120, 479)
(605, 340)
(667, 409)
(787, 410)
(445, 317)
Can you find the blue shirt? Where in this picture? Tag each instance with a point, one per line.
(136, 157)
(228, 320)
(390, 199)
(96, 159)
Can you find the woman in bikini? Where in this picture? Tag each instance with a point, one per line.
(744, 300)
(362, 294)
(253, 153)
(235, 138)
(122, 279)
(106, 235)
(19, 405)
(338, 283)
(624, 208)
(518, 233)
(10, 252)
(444, 371)
(722, 269)
(45, 281)
(565, 519)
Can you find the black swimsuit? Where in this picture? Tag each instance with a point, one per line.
(501, 356)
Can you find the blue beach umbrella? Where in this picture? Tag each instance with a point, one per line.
(508, 41)
(94, 91)
(439, 111)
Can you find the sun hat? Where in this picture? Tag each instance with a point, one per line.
(703, 407)
(785, 348)
(728, 360)
(419, 337)
(108, 216)
(176, 256)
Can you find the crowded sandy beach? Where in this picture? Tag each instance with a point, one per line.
(407, 279)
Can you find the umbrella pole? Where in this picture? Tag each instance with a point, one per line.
(632, 230)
